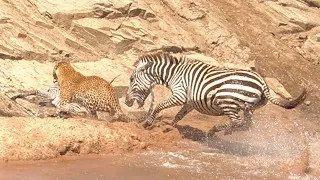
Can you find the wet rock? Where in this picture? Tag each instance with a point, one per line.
(144, 14)
(307, 103)
(106, 12)
(189, 10)
(318, 37)
(204, 58)
(4, 20)
(101, 12)
(10, 108)
(294, 4)
(313, 3)
(114, 15)
(310, 49)
(296, 13)
(277, 87)
(303, 36)
(282, 24)
(44, 24)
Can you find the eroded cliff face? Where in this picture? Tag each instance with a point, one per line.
(104, 38)
(279, 36)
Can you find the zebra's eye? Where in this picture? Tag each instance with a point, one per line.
(131, 79)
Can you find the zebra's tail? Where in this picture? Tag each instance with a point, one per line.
(287, 104)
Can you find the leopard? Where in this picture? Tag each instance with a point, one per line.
(92, 92)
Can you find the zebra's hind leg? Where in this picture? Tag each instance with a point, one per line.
(235, 122)
(247, 113)
(182, 113)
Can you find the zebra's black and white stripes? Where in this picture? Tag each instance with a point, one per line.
(208, 89)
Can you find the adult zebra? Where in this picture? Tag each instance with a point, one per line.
(208, 89)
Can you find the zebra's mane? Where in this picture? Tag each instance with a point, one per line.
(154, 57)
(165, 57)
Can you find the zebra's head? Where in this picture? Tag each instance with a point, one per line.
(141, 84)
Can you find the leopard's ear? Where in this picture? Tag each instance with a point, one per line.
(55, 75)
(56, 71)
(143, 66)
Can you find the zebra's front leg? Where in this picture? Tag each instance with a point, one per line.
(170, 102)
(182, 113)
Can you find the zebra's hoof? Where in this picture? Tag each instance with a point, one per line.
(47, 104)
(244, 128)
(140, 121)
(150, 127)
(211, 134)
(228, 132)
(173, 124)
(56, 115)
(146, 124)
(213, 130)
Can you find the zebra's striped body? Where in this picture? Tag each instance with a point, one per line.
(208, 89)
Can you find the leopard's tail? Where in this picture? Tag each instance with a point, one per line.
(114, 78)
(125, 118)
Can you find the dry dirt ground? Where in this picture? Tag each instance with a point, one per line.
(279, 38)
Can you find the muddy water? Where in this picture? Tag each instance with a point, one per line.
(122, 167)
(270, 150)
(217, 158)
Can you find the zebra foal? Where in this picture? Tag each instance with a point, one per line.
(208, 89)
(53, 95)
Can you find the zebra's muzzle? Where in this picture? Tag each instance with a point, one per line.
(129, 102)
(140, 104)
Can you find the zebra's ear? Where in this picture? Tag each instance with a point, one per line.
(143, 66)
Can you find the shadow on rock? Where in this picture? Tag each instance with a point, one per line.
(224, 146)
